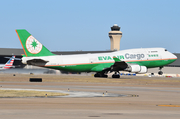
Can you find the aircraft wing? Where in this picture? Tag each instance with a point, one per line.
(123, 66)
(117, 66)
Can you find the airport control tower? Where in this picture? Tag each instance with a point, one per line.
(115, 36)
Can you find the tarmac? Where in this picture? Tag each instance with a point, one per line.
(125, 98)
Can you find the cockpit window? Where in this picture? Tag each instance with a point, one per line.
(165, 49)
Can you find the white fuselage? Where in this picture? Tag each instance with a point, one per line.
(131, 55)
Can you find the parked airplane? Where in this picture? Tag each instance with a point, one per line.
(132, 60)
(8, 65)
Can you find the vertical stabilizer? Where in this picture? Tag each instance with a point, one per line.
(31, 46)
(9, 63)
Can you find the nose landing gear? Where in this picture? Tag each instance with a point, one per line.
(160, 72)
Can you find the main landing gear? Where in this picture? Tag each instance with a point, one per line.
(160, 72)
(104, 75)
(115, 75)
(100, 75)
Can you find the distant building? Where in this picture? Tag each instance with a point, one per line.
(115, 36)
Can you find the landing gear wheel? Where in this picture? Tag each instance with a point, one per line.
(100, 75)
(105, 76)
(115, 76)
(96, 75)
(160, 72)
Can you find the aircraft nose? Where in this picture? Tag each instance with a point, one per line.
(174, 56)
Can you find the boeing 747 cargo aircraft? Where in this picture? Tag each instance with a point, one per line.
(132, 60)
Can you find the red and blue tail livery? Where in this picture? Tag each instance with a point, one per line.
(8, 65)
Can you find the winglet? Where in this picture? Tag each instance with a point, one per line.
(116, 59)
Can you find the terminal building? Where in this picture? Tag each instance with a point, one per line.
(115, 36)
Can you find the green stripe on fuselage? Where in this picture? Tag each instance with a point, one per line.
(97, 67)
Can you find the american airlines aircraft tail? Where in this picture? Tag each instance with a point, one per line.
(132, 60)
(8, 65)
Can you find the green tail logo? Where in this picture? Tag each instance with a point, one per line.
(31, 46)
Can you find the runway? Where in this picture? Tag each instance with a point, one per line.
(159, 99)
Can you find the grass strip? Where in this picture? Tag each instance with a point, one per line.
(27, 93)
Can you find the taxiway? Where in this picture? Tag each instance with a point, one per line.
(154, 96)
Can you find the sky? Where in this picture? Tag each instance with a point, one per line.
(75, 25)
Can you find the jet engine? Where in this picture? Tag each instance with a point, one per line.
(135, 68)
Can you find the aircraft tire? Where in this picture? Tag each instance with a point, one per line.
(96, 75)
(115, 76)
(160, 72)
(105, 76)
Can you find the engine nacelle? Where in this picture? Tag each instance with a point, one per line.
(135, 68)
(24, 60)
(143, 70)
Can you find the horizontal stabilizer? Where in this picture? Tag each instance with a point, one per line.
(37, 62)
(13, 58)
